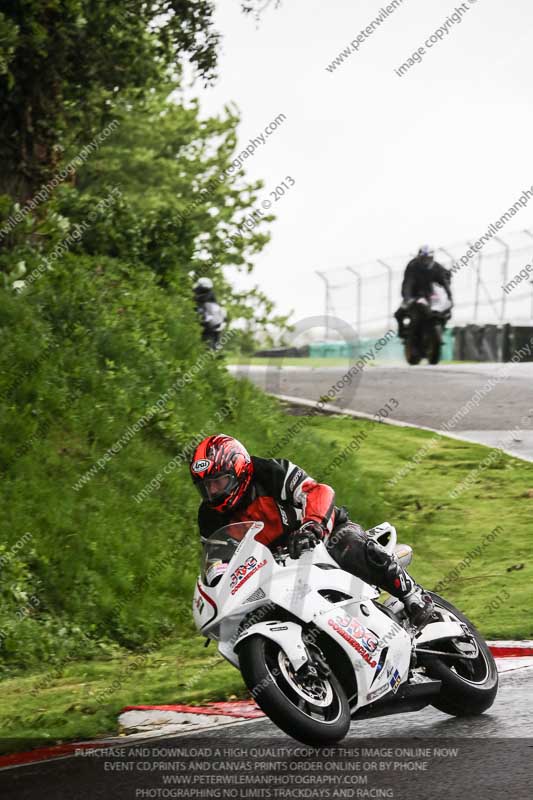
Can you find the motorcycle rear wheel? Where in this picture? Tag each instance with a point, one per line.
(313, 711)
(468, 687)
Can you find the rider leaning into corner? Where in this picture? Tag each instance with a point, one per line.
(296, 511)
(421, 273)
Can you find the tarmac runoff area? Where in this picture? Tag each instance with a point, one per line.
(489, 404)
(406, 756)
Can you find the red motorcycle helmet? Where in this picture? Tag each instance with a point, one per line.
(221, 470)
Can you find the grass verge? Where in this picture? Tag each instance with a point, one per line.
(493, 588)
(318, 362)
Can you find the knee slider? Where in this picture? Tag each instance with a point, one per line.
(346, 547)
(377, 555)
(394, 570)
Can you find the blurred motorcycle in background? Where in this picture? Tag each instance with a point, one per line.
(423, 326)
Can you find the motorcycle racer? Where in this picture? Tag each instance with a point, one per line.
(421, 275)
(212, 315)
(296, 511)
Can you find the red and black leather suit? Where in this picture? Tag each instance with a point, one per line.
(284, 497)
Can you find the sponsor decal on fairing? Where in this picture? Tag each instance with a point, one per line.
(199, 603)
(371, 696)
(395, 680)
(209, 600)
(351, 631)
(370, 642)
(354, 628)
(244, 572)
(216, 570)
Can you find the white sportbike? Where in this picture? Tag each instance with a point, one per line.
(317, 649)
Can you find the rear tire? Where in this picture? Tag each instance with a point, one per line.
(468, 687)
(274, 686)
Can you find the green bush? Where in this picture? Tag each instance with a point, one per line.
(88, 351)
(104, 380)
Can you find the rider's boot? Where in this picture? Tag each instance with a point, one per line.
(417, 602)
(419, 606)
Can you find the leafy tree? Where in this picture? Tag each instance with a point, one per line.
(259, 325)
(184, 203)
(65, 64)
(257, 7)
(104, 338)
(185, 211)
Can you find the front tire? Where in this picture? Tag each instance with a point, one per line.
(468, 687)
(412, 355)
(435, 345)
(314, 711)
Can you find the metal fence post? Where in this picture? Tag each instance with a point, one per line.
(487, 268)
(446, 252)
(478, 285)
(389, 292)
(358, 321)
(505, 268)
(323, 277)
(528, 233)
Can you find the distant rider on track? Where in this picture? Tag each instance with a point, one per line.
(420, 275)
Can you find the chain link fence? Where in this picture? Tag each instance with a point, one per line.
(495, 288)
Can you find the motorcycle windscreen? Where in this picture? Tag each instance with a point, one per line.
(219, 549)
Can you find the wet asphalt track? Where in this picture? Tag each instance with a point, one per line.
(494, 760)
(426, 396)
(495, 756)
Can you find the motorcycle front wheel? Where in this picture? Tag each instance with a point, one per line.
(469, 686)
(313, 710)
(434, 346)
(412, 354)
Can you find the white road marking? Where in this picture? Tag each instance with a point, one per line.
(484, 438)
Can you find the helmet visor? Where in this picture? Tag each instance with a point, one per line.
(215, 490)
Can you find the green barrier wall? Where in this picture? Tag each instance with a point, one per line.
(383, 349)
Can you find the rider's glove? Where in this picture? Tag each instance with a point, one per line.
(305, 538)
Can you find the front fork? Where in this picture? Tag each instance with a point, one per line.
(316, 665)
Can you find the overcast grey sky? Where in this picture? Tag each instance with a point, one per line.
(382, 163)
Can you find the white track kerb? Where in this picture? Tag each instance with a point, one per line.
(160, 720)
(165, 720)
(143, 723)
(349, 412)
